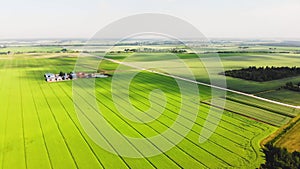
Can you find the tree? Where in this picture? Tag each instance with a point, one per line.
(280, 158)
(262, 74)
(289, 84)
(61, 73)
(64, 50)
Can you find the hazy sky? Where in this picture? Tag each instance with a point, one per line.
(214, 18)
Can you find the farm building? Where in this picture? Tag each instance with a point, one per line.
(100, 76)
(50, 77)
(59, 78)
(73, 75)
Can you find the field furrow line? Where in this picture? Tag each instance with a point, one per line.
(54, 119)
(166, 138)
(180, 133)
(51, 65)
(163, 80)
(131, 127)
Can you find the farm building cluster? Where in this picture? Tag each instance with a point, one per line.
(51, 77)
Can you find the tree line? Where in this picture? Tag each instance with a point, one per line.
(263, 51)
(262, 74)
(280, 158)
(153, 50)
(292, 86)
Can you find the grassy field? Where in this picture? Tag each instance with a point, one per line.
(230, 61)
(281, 95)
(39, 127)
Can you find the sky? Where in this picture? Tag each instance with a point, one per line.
(214, 18)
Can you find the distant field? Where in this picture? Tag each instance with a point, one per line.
(264, 105)
(260, 114)
(39, 127)
(230, 61)
(283, 95)
(28, 49)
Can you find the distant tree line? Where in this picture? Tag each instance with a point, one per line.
(130, 50)
(245, 51)
(280, 158)
(262, 74)
(292, 86)
(152, 50)
(40, 51)
(178, 51)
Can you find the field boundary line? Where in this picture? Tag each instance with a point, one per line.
(273, 138)
(5, 121)
(22, 116)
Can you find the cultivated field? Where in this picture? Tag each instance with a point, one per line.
(39, 127)
(31, 49)
(230, 61)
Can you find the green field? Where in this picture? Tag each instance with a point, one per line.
(281, 95)
(230, 61)
(32, 49)
(40, 129)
